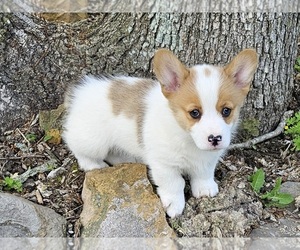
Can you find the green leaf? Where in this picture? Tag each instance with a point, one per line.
(274, 192)
(275, 198)
(276, 188)
(267, 195)
(279, 200)
(257, 180)
(284, 198)
(47, 138)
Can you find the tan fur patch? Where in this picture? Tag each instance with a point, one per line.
(169, 71)
(207, 72)
(184, 100)
(128, 99)
(242, 67)
(178, 86)
(236, 78)
(230, 96)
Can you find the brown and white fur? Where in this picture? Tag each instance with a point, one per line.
(178, 125)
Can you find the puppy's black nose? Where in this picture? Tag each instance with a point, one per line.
(214, 139)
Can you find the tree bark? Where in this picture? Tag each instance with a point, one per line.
(39, 59)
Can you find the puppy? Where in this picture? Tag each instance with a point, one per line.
(178, 125)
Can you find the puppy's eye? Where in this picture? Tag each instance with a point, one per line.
(226, 112)
(195, 113)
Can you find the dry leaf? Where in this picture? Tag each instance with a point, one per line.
(54, 136)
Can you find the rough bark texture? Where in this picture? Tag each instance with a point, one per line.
(39, 59)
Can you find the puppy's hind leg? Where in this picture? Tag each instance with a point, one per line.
(117, 157)
(87, 164)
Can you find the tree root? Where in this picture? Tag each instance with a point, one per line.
(262, 138)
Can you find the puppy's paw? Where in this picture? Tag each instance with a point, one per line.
(173, 204)
(88, 165)
(204, 188)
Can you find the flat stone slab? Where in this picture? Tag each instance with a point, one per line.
(23, 218)
(119, 202)
(285, 227)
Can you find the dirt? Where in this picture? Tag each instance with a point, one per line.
(63, 192)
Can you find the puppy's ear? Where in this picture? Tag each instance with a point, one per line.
(242, 69)
(169, 71)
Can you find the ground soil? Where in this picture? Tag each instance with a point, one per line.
(63, 192)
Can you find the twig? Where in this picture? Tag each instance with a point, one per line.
(21, 157)
(276, 132)
(19, 131)
(47, 166)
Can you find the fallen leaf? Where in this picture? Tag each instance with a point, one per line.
(53, 136)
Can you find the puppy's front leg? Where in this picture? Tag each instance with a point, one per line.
(170, 188)
(202, 181)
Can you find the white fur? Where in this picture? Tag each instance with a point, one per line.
(211, 120)
(92, 132)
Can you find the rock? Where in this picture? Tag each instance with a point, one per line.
(233, 212)
(285, 227)
(119, 202)
(33, 243)
(51, 119)
(23, 218)
(291, 187)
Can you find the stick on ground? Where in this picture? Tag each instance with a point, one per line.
(276, 132)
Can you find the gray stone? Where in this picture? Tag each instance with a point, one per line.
(291, 187)
(119, 202)
(285, 227)
(25, 243)
(23, 218)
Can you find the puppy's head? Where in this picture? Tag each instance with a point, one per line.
(205, 99)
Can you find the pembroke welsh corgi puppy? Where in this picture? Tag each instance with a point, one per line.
(178, 125)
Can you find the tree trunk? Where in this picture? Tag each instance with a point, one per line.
(39, 59)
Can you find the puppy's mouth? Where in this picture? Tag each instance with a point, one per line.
(216, 148)
(211, 147)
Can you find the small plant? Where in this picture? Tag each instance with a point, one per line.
(272, 198)
(31, 137)
(47, 138)
(293, 128)
(12, 184)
